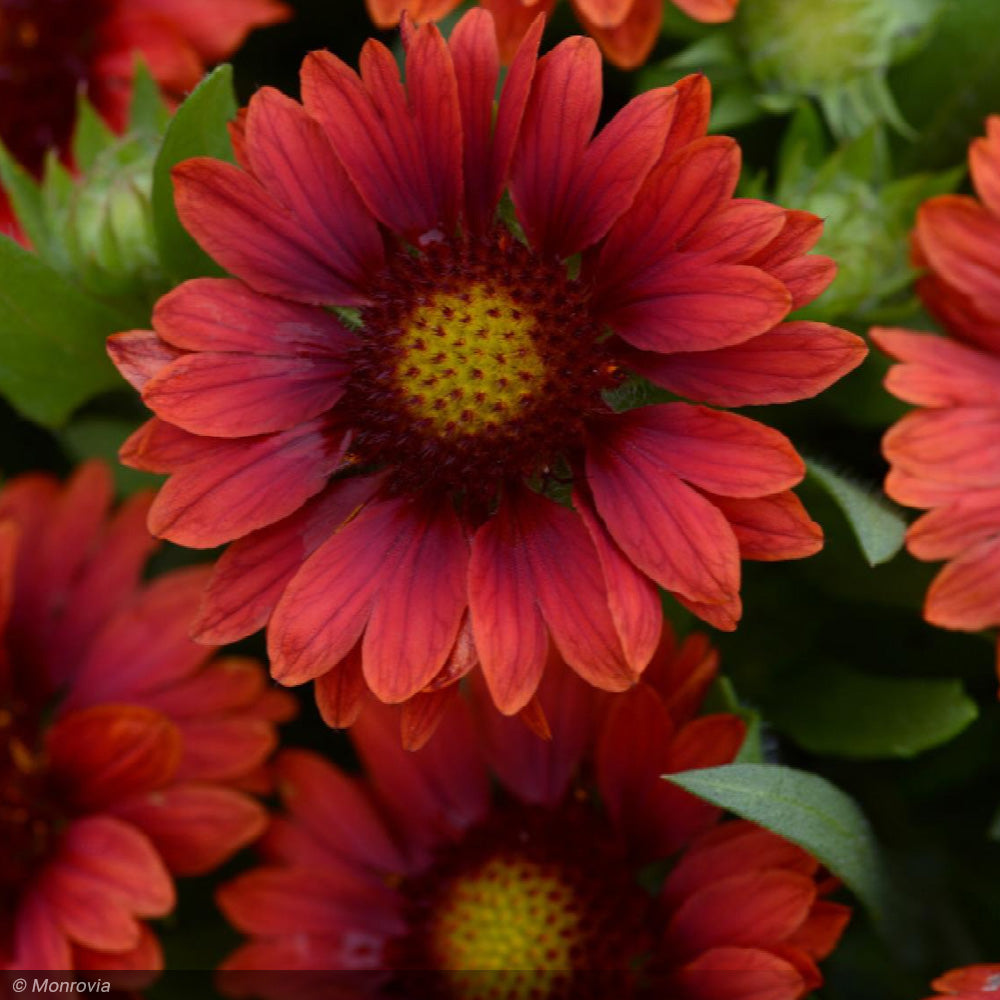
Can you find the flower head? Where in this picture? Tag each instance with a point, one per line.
(974, 982)
(51, 50)
(438, 471)
(427, 873)
(626, 30)
(121, 749)
(944, 456)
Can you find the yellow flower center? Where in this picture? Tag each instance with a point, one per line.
(511, 913)
(468, 362)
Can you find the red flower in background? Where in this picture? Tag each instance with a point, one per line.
(429, 874)
(626, 30)
(974, 982)
(945, 456)
(121, 749)
(52, 50)
(399, 479)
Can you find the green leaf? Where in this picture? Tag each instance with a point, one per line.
(807, 810)
(198, 129)
(90, 136)
(840, 711)
(52, 355)
(147, 112)
(877, 524)
(25, 196)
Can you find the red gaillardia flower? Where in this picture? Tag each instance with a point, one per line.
(121, 750)
(974, 982)
(440, 473)
(52, 50)
(945, 456)
(426, 867)
(626, 30)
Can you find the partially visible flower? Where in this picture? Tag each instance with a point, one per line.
(577, 859)
(51, 51)
(945, 456)
(626, 30)
(122, 751)
(444, 472)
(974, 982)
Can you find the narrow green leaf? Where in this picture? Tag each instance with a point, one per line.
(198, 129)
(90, 136)
(52, 335)
(840, 711)
(25, 197)
(878, 526)
(807, 810)
(147, 112)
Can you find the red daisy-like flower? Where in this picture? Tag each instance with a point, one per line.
(52, 50)
(440, 474)
(974, 982)
(121, 749)
(428, 873)
(626, 30)
(944, 457)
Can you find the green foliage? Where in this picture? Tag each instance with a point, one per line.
(198, 129)
(836, 710)
(51, 338)
(807, 810)
(878, 526)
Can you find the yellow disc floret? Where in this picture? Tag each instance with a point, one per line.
(468, 362)
(509, 914)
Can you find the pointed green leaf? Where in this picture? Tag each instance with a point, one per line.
(805, 809)
(840, 711)
(52, 335)
(91, 136)
(148, 112)
(25, 197)
(198, 129)
(877, 524)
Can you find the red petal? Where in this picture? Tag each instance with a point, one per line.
(736, 230)
(602, 13)
(291, 156)
(418, 608)
(947, 531)
(110, 752)
(678, 195)
(196, 827)
(938, 371)
(156, 446)
(729, 973)
(434, 101)
(477, 69)
(337, 811)
(627, 44)
(139, 355)
(667, 529)
(694, 106)
(751, 909)
(38, 940)
(959, 447)
(687, 304)
(241, 226)
(510, 634)
(10, 536)
(959, 238)
(251, 574)
(340, 693)
(771, 528)
(558, 122)
(516, 21)
(221, 395)
(376, 139)
(239, 485)
(965, 594)
(984, 165)
(793, 361)
(220, 314)
(422, 714)
(611, 171)
(633, 600)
